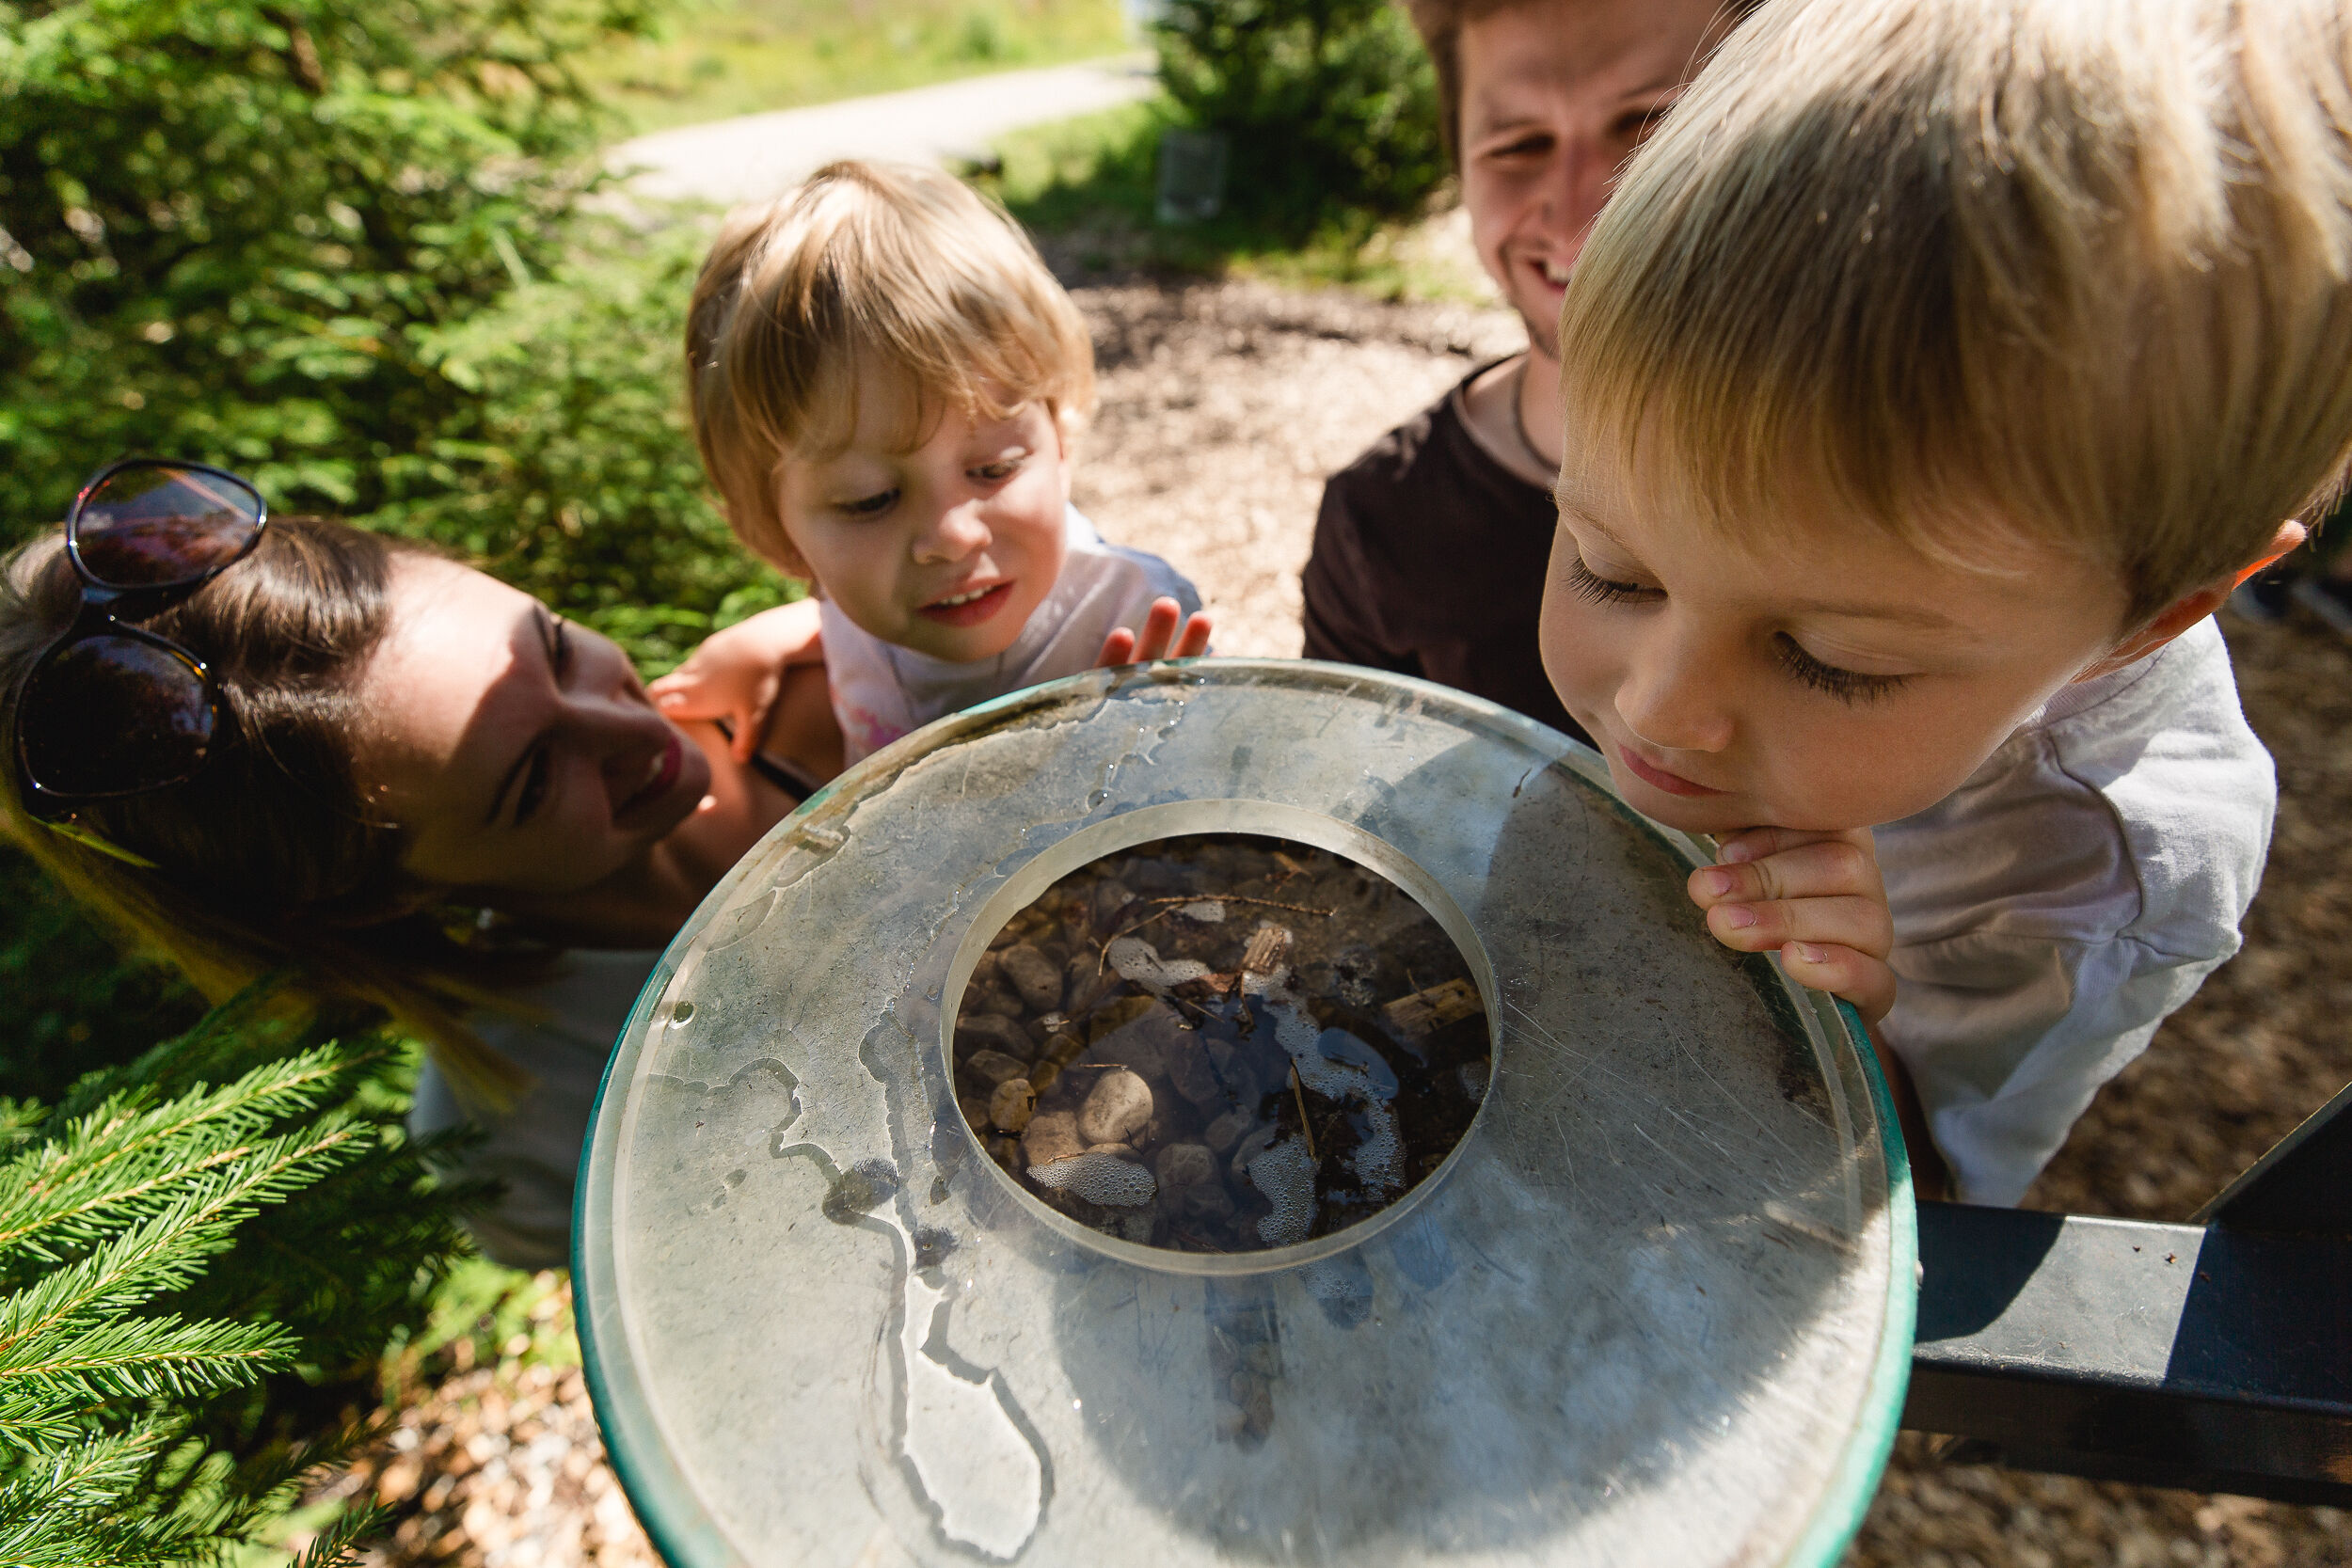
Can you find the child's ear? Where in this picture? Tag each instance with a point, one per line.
(2187, 610)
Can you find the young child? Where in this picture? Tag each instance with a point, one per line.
(1932, 375)
(1429, 547)
(886, 382)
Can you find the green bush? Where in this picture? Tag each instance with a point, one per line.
(178, 1335)
(577, 479)
(329, 243)
(234, 225)
(1330, 106)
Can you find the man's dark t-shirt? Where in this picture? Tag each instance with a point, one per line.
(1429, 561)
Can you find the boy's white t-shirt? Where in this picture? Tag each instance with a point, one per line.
(2052, 909)
(881, 691)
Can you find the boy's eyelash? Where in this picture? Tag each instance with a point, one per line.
(869, 506)
(1600, 590)
(1847, 686)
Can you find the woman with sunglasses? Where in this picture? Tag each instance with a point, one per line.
(290, 745)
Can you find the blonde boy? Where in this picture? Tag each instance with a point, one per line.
(1930, 378)
(886, 382)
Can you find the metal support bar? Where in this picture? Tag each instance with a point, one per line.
(2210, 1357)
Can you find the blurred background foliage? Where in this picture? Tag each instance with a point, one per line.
(342, 248)
(1330, 106)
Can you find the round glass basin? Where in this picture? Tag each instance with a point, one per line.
(1655, 1308)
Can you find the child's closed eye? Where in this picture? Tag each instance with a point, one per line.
(1847, 686)
(1589, 584)
(998, 471)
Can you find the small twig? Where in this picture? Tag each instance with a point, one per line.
(1236, 898)
(1299, 1095)
(1186, 1002)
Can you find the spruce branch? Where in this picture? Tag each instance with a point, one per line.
(165, 1252)
(124, 1159)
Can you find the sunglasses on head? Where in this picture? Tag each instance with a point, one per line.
(110, 709)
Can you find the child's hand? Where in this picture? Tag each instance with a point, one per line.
(737, 673)
(1816, 897)
(1160, 639)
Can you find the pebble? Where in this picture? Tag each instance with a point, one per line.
(995, 1068)
(975, 1112)
(1116, 1109)
(1036, 977)
(1051, 1138)
(1143, 1045)
(1186, 1063)
(1185, 1164)
(1084, 978)
(1226, 1130)
(985, 1032)
(1012, 1105)
(1111, 900)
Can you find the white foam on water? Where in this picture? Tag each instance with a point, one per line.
(1379, 1158)
(1139, 963)
(1285, 1172)
(1103, 1179)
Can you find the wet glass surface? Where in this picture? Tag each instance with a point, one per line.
(1655, 1308)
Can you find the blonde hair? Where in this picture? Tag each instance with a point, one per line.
(892, 266)
(2078, 265)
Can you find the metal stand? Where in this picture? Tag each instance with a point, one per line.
(2214, 1355)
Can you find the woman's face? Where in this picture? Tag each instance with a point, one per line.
(520, 751)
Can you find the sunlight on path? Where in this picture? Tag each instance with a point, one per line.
(758, 156)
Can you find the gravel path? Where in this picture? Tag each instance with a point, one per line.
(753, 156)
(1223, 405)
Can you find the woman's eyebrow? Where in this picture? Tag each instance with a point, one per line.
(545, 640)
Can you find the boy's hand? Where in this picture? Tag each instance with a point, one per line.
(1160, 639)
(738, 673)
(1815, 897)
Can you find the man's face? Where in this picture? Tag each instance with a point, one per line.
(1556, 95)
(1827, 677)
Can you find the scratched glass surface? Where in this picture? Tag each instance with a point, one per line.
(1637, 1317)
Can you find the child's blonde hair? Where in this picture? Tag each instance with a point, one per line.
(897, 266)
(2078, 265)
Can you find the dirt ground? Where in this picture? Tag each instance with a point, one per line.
(1223, 405)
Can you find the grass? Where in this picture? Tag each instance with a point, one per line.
(729, 57)
(1084, 187)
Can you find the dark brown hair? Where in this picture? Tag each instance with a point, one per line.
(1440, 22)
(269, 860)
